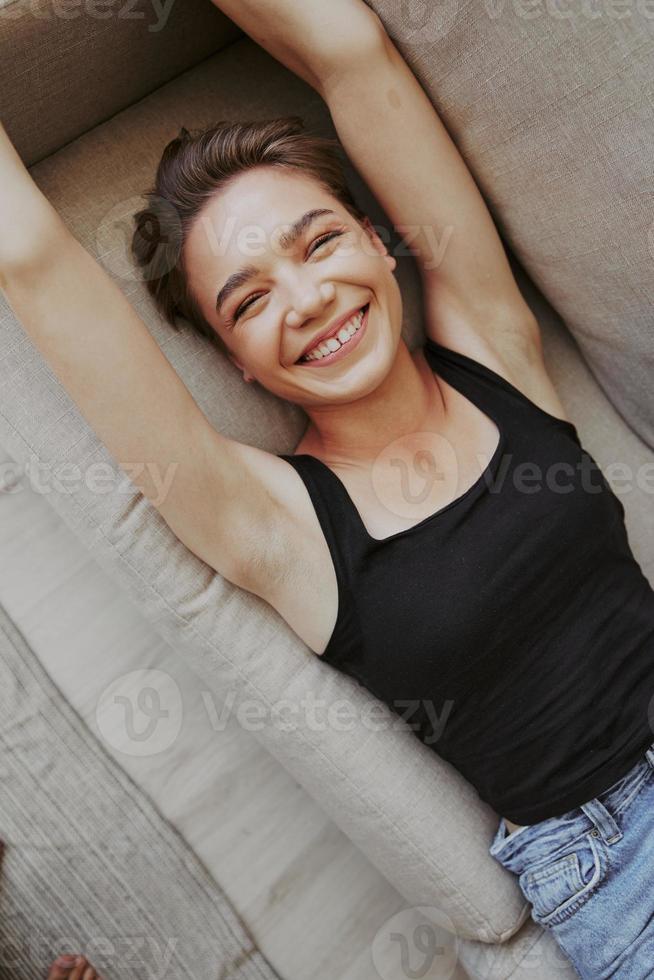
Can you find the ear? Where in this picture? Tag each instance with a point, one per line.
(246, 375)
(378, 243)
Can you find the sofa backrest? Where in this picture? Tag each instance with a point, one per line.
(67, 65)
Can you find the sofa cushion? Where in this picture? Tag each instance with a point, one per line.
(552, 107)
(66, 65)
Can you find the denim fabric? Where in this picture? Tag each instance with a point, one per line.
(589, 876)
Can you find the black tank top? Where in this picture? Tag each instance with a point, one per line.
(513, 629)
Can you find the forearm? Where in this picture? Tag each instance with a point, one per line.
(25, 212)
(312, 38)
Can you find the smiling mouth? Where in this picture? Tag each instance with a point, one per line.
(341, 338)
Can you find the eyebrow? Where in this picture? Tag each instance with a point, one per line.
(286, 241)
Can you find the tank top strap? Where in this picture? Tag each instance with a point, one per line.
(486, 388)
(347, 542)
(339, 521)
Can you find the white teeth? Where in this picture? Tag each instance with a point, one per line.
(333, 343)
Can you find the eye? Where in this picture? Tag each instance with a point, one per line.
(325, 238)
(318, 243)
(245, 306)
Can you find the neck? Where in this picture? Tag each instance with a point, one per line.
(407, 401)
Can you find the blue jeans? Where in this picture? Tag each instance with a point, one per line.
(589, 876)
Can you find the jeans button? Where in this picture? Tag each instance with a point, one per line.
(594, 832)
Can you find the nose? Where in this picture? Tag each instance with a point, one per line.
(310, 303)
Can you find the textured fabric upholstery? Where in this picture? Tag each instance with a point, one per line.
(66, 65)
(412, 814)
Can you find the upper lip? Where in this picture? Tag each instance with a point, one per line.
(333, 328)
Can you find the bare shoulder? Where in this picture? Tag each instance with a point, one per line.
(507, 341)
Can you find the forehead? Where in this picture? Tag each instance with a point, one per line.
(245, 220)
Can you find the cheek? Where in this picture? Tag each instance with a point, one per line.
(259, 344)
(378, 268)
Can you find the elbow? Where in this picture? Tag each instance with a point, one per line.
(23, 250)
(29, 225)
(364, 42)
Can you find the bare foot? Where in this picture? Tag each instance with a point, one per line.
(72, 968)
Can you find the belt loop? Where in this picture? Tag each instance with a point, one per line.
(603, 820)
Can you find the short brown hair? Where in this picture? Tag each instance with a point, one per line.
(192, 168)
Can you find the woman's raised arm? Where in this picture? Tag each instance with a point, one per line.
(25, 214)
(217, 495)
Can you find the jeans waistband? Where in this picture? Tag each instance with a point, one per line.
(515, 851)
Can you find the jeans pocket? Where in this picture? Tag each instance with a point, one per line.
(560, 885)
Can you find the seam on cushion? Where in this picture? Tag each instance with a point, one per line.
(465, 904)
(522, 918)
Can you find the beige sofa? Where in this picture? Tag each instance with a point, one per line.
(552, 115)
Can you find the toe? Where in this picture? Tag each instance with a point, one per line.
(72, 968)
(60, 969)
(79, 969)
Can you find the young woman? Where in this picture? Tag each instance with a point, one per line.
(505, 599)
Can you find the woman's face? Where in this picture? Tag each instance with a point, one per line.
(271, 295)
